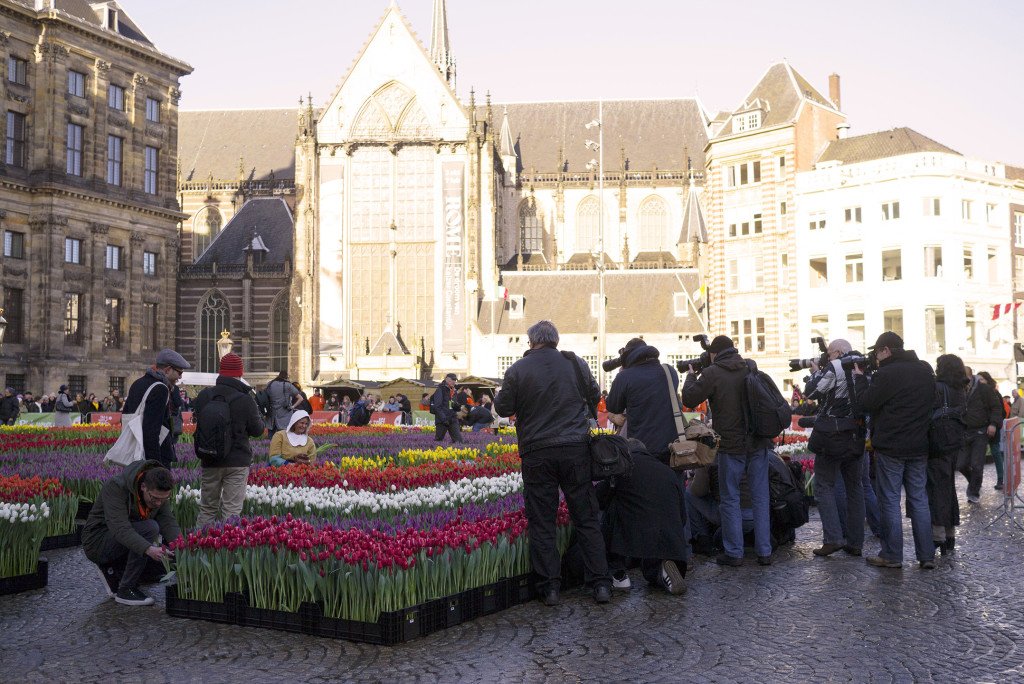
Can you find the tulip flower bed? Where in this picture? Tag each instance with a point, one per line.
(62, 505)
(23, 525)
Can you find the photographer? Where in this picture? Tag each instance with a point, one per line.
(838, 445)
(723, 384)
(641, 389)
(983, 417)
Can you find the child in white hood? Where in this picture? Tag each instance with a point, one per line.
(293, 445)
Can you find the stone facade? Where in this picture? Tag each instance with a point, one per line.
(87, 190)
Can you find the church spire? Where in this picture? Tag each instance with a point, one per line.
(440, 47)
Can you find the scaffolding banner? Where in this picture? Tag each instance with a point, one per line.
(453, 314)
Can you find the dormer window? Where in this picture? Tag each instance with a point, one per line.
(107, 14)
(746, 121)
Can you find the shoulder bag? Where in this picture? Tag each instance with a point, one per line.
(128, 448)
(609, 454)
(690, 449)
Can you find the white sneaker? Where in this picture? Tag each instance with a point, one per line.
(623, 583)
(672, 579)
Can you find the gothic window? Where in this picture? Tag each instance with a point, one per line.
(587, 225)
(391, 111)
(653, 225)
(279, 335)
(414, 201)
(371, 194)
(214, 316)
(531, 234)
(205, 227)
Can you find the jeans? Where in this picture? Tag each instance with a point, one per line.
(849, 465)
(453, 428)
(893, 475)
(544, 472)
(135, 563)
(222, 494)
(731, 468)
(971, 462)
(870, 500)
(996, 447)
(702, 515)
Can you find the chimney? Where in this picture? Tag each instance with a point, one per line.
(833, 91)
(842, 131)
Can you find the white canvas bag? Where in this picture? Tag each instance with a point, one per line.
(128, 448)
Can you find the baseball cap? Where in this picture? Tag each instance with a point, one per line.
(720, 344)
(888, 339)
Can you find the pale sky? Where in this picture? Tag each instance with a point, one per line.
(950, 70)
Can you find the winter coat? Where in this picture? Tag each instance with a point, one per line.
(63, 407)
(645, 515)
(899, 400)
(723, 384)
(157, 414)
(245, 420)
(117, 507)
(282, 395)
(984, 406)
(9, 410)
(541, 390)
(641, 392)
(443, 405)
(950, 392)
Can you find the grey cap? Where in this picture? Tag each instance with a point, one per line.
(169, 357)
(451, 375)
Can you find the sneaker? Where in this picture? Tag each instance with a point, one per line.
(602, 593)
(551, 598)
(729, 561)
(879, 562)
(827, 549)
(111, 578)
(133, 597)
(621, 581)
(671, 579)
(852, 550)
(973, 499)
(927, 565)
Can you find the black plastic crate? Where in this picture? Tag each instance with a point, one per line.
(441, 614)
(37, 580)
(84, 507)
(198, 610)
(485, 600)
(391, 628)
(521, 589)
(63, 541)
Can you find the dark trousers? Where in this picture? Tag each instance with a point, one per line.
(134, 564)
(971, 461)
(840, 454)
(942, 502)
(453, 428)
(545, 471)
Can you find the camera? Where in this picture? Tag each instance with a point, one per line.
(800, 364)
(865, 362)
(699, 363)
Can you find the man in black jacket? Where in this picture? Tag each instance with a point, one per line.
(9, 407)
(899, 401)
(984, 416)
(553, 427)
(157, 414)
(224, 479)
(443, 406)
(642, 391)
(723, 385)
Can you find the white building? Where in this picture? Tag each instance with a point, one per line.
(895, 231)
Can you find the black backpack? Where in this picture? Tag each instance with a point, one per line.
(263, 404)
(214, 436)
(768, 412)
(946, 428)
(789, 508)
(359, 415)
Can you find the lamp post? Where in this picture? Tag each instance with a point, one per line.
(599, 163)
(224, 344)
(3, 329)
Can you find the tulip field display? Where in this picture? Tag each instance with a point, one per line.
(24, 520)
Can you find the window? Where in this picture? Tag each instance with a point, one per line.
(743, 174)
(852, 214)
(115, 97)
(968, 262)
(15, 381)
(149, 325)
(595, 304)
(14, 312)
(214, 316)
(782, 208)
(817, 221)
(993, 265)
(504, 363)
(990, 213)
(76, 83)
(72, 251)
(149, 178)
(14, 150)
(1018, 229)
(748, 335)
(732, 276)
(279, 336)
(819, 326)
(965, 209)
(149, 263)
(755, 226)
(531, 235)
(933, 261)
(14, 244)
(855, 330)
(782, 163)
(680, 305)
(74, 150)
(114, 150)
(819, 271)
(890, 211)
(113, 258)
(932, 206)
(77, 384)
(205, 227)
(970, 329)
(514, 305)
(587, 218)
(892, 319)
(935, 330)
(745, 274)
(112, 323)
(892, 264)
(855, 268)
(115, 383)
(746, 122)
(654, 221)
(17, 70)
(72, 318)
(152, 110)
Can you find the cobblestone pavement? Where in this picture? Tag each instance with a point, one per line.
(802, 619)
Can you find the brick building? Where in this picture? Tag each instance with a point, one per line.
(87, 195)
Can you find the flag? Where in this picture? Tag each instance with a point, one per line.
(504, 294)
(1001, 309)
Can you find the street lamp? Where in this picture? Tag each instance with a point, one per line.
(224, 344)
(598, 147)
(3, 329)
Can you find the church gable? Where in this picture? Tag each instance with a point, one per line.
(392, 112)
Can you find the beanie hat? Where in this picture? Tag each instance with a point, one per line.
(720, 344)
(231, 365)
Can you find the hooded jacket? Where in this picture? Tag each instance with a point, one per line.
(642, 393)
(899, 400)
(984, 406)
(723, 384)
(245, 420)
(117, 507)
(155, 415)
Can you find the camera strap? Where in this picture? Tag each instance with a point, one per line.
(677, 413)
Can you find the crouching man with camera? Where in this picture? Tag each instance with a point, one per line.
(838, 445)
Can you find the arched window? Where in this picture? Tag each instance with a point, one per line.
(587, 225)
(206, 226)
(531, 234)
(214, 316)
(279, 334)
(653, 225)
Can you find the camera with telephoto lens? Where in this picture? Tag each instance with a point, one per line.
(800, 364)
(699, 363)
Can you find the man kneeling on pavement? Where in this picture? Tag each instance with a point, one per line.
(129, 526)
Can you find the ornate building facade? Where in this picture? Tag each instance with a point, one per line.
(87, 195)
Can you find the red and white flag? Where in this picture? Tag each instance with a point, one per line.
(1001, 309)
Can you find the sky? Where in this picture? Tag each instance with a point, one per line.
(948, 69)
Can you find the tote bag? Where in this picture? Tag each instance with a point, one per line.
(128, 447)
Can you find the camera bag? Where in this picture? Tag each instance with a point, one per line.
(689, 450)
(609, 454)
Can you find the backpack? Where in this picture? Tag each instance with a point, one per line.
(609, 454)
(214, 435)
(788, 508)
(946, 428)
(263, 403)
(359, 415)
(768, 412)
